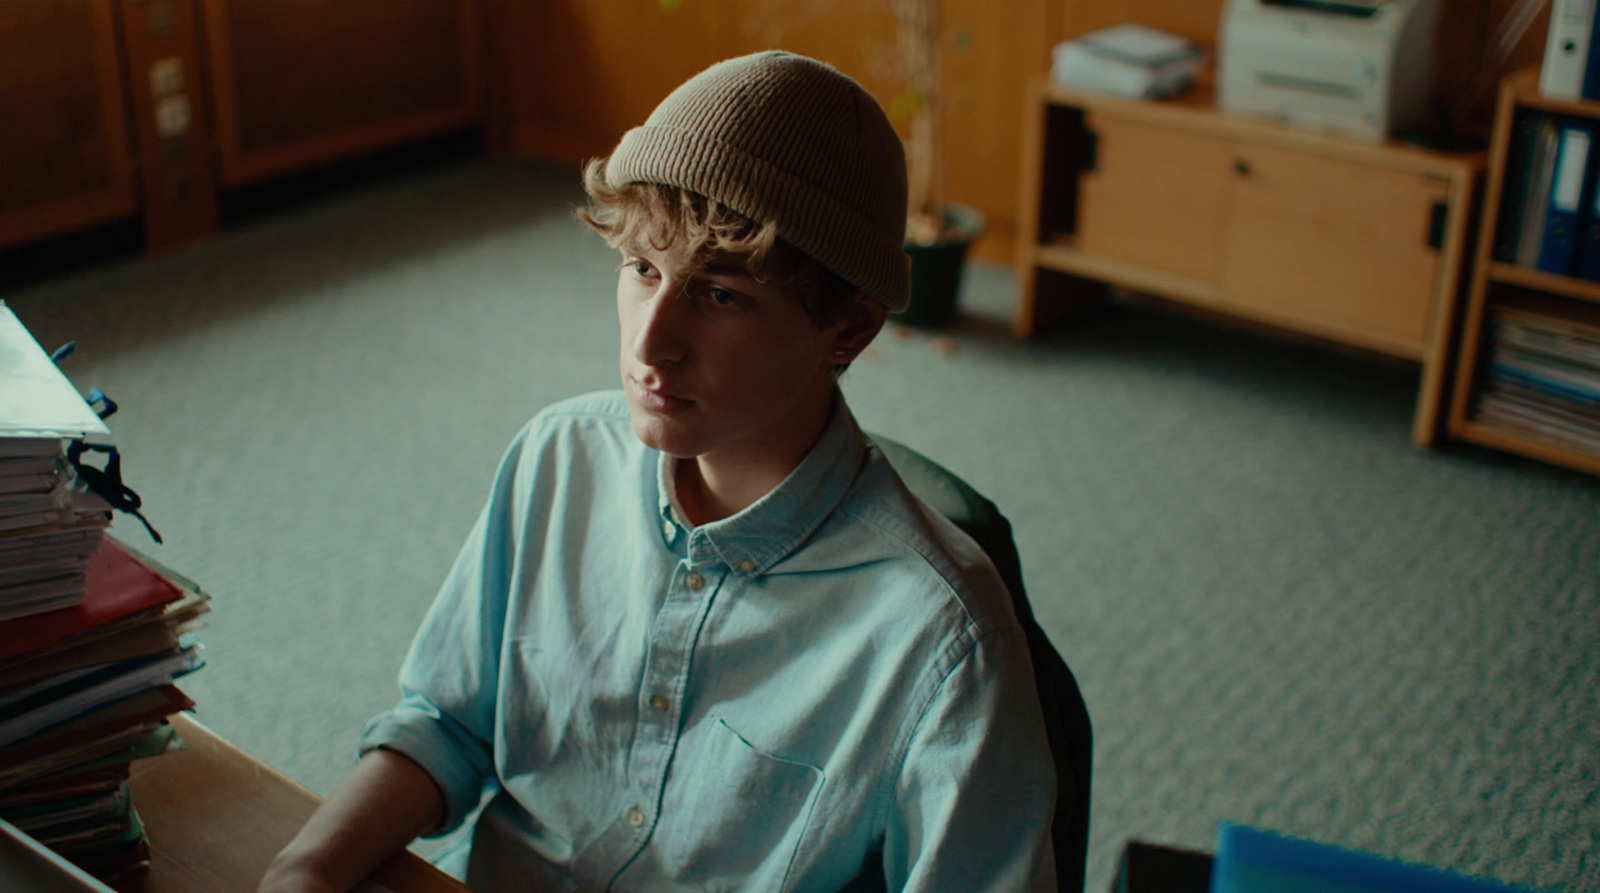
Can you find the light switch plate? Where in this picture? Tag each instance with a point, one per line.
(166, 77)
(172, 117)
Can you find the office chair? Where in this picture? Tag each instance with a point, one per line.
(1066, 717)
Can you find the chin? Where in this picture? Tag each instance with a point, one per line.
(658, 434)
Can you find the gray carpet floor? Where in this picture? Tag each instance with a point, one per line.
(1279, 611)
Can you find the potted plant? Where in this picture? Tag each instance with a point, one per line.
(938, 232)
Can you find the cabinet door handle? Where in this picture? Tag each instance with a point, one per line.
(1436, 222)
(1088, 151)
(1241, 167)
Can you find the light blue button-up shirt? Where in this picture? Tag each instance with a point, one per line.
(826, 688)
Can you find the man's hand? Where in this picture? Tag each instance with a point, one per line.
(377, 809)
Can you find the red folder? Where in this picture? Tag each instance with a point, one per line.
(118, 586)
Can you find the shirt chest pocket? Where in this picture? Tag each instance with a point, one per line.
(734, 815)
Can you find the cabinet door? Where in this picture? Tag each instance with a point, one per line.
(1156, 197)
(64, 152)
(1334, 247)
(300, 82)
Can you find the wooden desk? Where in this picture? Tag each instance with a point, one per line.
(216, 816)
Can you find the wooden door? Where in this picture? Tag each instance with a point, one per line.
(65, 157)
(299, 82)
(1156, 197)
(1334, 246)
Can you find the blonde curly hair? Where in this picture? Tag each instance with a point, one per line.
(667, 216)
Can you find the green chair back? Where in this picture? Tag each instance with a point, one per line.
(1066, 717)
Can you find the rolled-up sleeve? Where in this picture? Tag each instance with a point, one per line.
(445, 719)
(976, 792)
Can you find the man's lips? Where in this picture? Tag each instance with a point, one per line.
(656, 398)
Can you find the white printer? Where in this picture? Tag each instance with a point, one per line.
(1358, 68)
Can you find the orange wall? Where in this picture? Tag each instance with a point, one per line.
(578, 73)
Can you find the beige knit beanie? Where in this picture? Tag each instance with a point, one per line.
(790, 140)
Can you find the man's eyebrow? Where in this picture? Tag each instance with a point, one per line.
(726, 263)
(726, 268)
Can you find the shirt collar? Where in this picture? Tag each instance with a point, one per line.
(769, 529)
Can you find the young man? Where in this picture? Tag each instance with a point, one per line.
(701, 636)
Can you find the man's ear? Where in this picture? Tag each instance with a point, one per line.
(860, 319)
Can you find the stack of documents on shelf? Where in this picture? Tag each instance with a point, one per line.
(1544, 372)
(92, 635)
(1127, 60)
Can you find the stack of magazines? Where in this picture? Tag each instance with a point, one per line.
(1544, 372)
(92, 634)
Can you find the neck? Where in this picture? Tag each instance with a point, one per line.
(725, 482)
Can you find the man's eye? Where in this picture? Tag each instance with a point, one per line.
(722, 297)
(640, 268)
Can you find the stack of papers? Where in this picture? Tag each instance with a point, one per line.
(86, 691)
(1127, 60)
(93, 636)
(49, 526)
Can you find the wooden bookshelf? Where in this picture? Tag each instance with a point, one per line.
(1497, 283)
(1361, 245)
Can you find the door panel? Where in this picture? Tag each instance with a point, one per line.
(1157, 197)
(1333, 242)
(65, 158)
(301, 82)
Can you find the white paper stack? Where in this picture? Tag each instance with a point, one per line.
(50, 527)
(1128, 60)
(93, 635)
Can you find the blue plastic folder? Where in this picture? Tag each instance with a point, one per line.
(1587, 264)
(1557, 250)
(1250, 860)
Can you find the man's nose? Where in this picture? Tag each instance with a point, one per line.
(662, 336)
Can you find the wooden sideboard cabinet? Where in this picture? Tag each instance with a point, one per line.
(1349, 242)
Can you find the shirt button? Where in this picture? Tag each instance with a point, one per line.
(636, 817)
(694, 582)
(659, 703)
(747, 565)
(669, 529)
